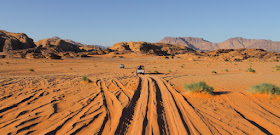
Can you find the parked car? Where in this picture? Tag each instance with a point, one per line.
(140, 70)
(122, 66)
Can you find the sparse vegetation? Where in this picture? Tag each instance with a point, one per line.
(251, 70)
(156, 71)
(277, 67)
(214, 72)
(265, 88)
(226, 70)
(31, 70)
(70, 68)
(85, 79)
(199, 87)
(170, 71)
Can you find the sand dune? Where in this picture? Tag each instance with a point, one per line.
(128, 104)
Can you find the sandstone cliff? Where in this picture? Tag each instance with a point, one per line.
(150, 48)
(14, 41)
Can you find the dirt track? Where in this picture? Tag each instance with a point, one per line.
(128, 105)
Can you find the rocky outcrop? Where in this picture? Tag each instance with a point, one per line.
(236, 55)
(14, 41)
(150, 48)
(58, 44)
(234, 43)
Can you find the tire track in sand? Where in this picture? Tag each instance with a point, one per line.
(156, 108)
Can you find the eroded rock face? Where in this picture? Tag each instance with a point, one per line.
(150, 48)
(58, 44)
(14, 41)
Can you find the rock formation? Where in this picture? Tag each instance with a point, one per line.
(150, 48)
(234, 43)
(14, 41)
(236, 55)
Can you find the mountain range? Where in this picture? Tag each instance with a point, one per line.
(199, 44)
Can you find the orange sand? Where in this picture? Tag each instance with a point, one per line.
(52, 99)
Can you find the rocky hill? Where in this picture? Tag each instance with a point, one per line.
(235, 55)
(58, 44)
(233, 43)
(14, 41)
(150, 48)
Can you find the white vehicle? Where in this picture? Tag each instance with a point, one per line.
(140, 70)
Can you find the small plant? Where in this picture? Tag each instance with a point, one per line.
(250, 70)
(277, 67)
(31, 70)
(226, 70)
(85, 79)
(70, 68)
(7, 63)
(265, 88)
(214, 72)
(156, 71)
(169, 71)
(199, 87)
(182, 66)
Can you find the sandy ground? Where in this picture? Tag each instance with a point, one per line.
(52, 99)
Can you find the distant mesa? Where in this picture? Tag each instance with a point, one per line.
(200, 44)
(14, 41)
(150, 48)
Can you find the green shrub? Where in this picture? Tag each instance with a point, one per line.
(214, 72)
(265, 88)
(199, 87)
(169, 71)
(156, 71)
(32, 70)
(277, 68)
(226, 70)
(85, 79)
(251, 70)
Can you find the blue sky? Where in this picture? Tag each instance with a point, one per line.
(105, 22)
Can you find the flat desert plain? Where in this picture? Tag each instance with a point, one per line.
(53, 100)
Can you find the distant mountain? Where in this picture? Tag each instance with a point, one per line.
(233, 43)
(14, 41)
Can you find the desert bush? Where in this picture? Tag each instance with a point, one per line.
(277, 68)
(226, 70)
(250, 69)
(156, 71)
(199, 87)
(31, 70)
(214, 72)
(85, 79)
(265, 88)
(169, 71)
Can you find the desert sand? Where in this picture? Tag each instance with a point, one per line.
(53, 100)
